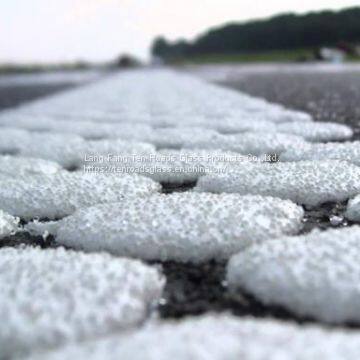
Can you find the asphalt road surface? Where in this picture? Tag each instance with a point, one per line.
(14, 95)
(328, 96)
(199, 289)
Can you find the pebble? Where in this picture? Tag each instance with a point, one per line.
(56, 296)
(317, 131)
(336, 220)
(8, 224)
(181, 166)
(74, 152)
(14, 166)
(304, 182)
(184, 227)
(353, 209)
(176, 137)
(218, 337)
(349, 151)
(86, 129)
(255, 143)
(58, 195)
(314, 275)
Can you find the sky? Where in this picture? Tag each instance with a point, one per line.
(51, 31)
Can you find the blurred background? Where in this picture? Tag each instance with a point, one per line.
(49, 45)
(39, 34)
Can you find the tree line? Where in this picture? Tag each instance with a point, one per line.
(282, 32)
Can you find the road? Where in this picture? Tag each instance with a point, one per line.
(327, 94)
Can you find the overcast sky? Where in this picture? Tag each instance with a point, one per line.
(97, 30)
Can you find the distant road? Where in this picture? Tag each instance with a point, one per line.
(19, 88)
(330, 92)
(14, 95)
